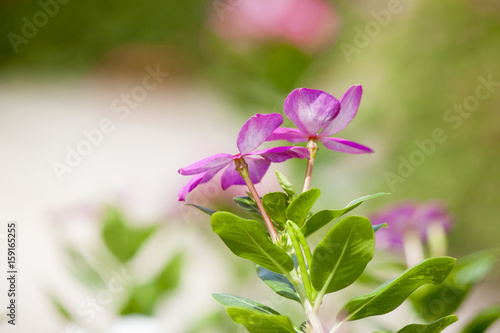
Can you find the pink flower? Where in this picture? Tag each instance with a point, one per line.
(253, 133)
(410, 216)
(310, 24)
(319, 115)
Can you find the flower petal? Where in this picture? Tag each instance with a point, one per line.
(281, 154)
(310, 110)
(345, 146)
(349, 104)
(256, 166)
(217, 161)
(256, 130)
(195, 181)
(287, 133)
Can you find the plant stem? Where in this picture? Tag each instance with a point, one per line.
(312, 146)
(242, 168)
(300, 258)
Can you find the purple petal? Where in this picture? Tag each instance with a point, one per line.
(256, 166)
(213, 162)
(310, 110)
(349, 104)
(287, 133)
(281, 154)
(345, 146)
(256, 130)
(195, 181)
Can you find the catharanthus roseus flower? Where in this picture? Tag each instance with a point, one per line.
(408, 218)
(318, 116)
(253, 133)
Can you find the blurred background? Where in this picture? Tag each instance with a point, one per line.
(101, 102)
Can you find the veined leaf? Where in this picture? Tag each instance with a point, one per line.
(255, 317)
(392, 293)
(300, 207)
(342, 255)
(322, 218)
(279, 283)
(275, 204)
(249, 239)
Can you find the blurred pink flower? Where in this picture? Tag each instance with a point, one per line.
(308, 24)
(409, 216)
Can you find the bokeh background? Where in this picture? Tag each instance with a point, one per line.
(160, 84)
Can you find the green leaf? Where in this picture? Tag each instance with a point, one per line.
(144, 298)
(483, 320)
(205, 210)
(434, 327)
(229, 300)
(63, 311)
(322, 218)
(259, 322)
(249, 239)
(433, 302)
(285, 184)
(279, 283)
(377, 227)
(275, 204)
(122, 239)
(392, 293)
(82, 269)
(341, 257)
(300, 207)
(248, 204)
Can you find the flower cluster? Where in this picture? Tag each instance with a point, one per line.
(316, 114)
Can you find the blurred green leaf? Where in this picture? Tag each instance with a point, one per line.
(279, 283)
(322, 218)
(83, 270)
(63, 311)
(341, 257)
(122, 239)
(275, 204)
(300, 207)
(377, 227)
(249, 239)
(229, 300)
(434, 327)
(433, 302)
(205, 210)
(145, 298)
(483, 320)
(392, 293)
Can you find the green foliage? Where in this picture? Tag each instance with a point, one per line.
(276, 204)
(279, 283)
(249, 239)
(82, 269)
(255, 317)
(205, 210)
(433, 302)
(145, 297)
(322, 218)
(483, 320)
(285, 184)
(343, 254)
(301, 206)
(434, 327)
(122, 239)
(392, 293)
(249, 205)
